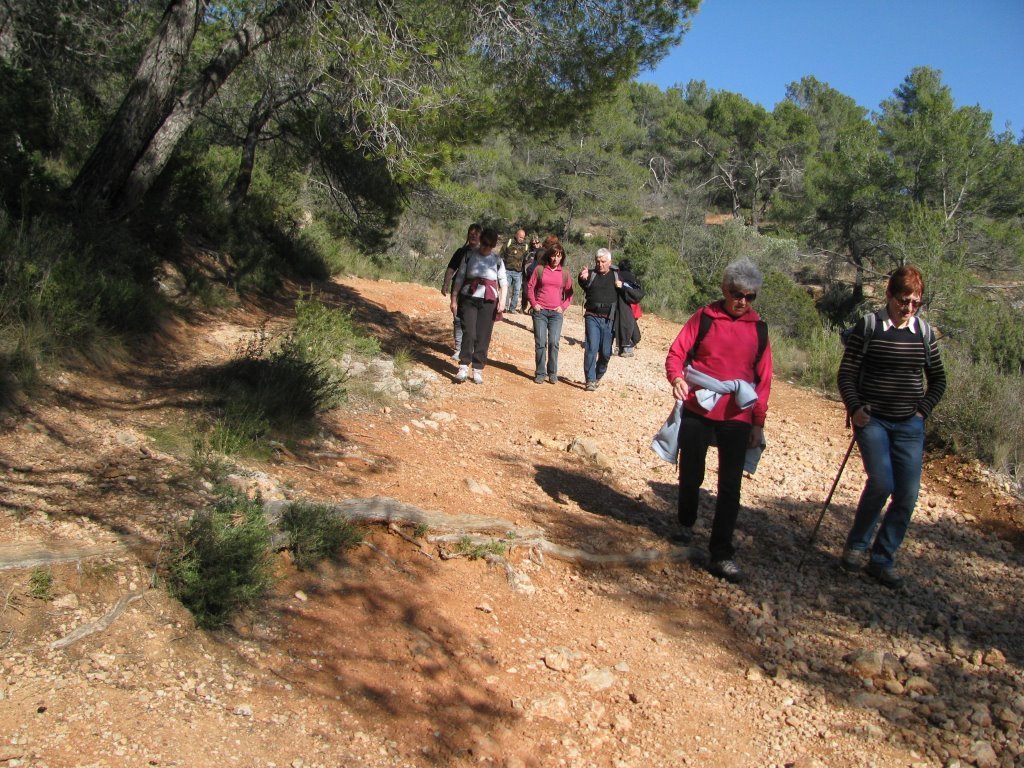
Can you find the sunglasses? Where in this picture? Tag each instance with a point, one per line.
(741, 295)
(908, 302)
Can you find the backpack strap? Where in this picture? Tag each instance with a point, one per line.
(870, 321)
(762, 345)
(702, 330)
(926, 339)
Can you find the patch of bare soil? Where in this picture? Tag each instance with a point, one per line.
(397, 657)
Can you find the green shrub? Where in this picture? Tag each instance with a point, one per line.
(811, 362)
(475, 551)
(222, 562)
(982, 413)
(323, 332)
(281, 389)
(317, 533)
(787, 308)
(40, 584)
(61, 297)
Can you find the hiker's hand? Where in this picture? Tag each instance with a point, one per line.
(584, 273)
(861, 416)
(680, 388)
(756, 436)
(455, 303)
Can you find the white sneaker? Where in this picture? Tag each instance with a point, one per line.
(478, 377)
(463, 373)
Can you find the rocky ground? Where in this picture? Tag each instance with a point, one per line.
(397, 657)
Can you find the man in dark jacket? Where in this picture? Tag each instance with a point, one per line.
(601, 291)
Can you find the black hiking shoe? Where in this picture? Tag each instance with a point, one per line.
(683, 536)
(726, 569)
(852, 560)
(887, 577)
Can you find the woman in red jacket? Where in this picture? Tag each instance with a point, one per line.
(728, 342)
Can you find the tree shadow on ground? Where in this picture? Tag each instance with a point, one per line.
(378, 645)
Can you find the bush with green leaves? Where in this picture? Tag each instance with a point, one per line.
(316, 533)
(276, 389)
(812, 361)
(787, 308)
(221, 562)
(40, 584)
(981, 414)
(323, 332)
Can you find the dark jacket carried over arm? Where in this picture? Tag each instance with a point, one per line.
(626, 330)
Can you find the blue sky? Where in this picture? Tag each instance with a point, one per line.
(863, 49)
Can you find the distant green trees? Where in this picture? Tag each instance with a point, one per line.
(307, 134)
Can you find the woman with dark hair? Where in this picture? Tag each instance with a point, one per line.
(890, 379)
(549, 292)
(478, 294)
(722, 344)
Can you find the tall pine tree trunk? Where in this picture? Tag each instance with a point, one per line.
(102, 178)
(185, 108)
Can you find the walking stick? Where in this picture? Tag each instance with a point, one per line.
(828, 499)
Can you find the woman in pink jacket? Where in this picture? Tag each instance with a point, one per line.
(727, 341)
(549, 292)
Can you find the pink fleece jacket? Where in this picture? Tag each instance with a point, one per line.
(727, 352)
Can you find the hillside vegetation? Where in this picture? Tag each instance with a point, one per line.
(156, 158)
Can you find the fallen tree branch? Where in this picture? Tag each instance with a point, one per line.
(100, 624)
(393, 528)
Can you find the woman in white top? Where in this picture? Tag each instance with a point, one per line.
(479, 290)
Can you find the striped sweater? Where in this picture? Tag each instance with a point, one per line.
(894, 373)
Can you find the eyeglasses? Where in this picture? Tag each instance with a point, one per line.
(741, 295)
(907, 301)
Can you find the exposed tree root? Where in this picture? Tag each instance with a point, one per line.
(100, 624)
(381, 509)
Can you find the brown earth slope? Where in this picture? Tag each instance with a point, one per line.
(397, 657)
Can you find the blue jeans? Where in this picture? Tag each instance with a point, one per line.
(515, 287)
(893, 452)
(598, 346)
(547, 328)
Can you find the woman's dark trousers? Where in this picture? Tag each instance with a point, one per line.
(696, 433)
(477, 325)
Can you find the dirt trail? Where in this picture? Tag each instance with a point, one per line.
(395, 657)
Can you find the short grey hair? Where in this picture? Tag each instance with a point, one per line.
(602, 252)
(743, 274)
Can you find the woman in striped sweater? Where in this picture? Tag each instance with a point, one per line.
(889, 383)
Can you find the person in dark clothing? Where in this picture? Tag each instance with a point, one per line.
(472, 241)
(627, 332)
(514, 255)
(889, 387)
(601, 295)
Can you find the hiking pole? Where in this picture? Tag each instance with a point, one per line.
(828, 499)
